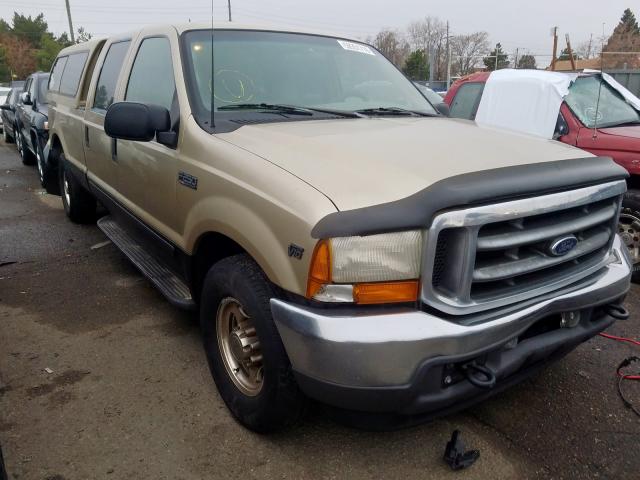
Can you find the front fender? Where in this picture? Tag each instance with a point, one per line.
(266, 237)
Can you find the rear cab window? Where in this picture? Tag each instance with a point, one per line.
(72, 72)
(109, 73)
(56, 73)
(465, 103)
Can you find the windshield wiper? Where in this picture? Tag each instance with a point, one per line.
(291, 109)
(394, 111)
(286, 109)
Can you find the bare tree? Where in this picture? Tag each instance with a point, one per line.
(467, 51)
(429, 35)
(393, 46)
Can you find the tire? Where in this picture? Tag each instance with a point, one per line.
(23, 150)
(5, 135)
(78, 203)
(46, 173)
(629, 229)
(277, 402)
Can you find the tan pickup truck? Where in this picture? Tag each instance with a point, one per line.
(342, 240)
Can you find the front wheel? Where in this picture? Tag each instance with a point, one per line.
(246, 357)
(78, 203)
(46, 173)
(5, 135)
(629, 229)
(23, 150)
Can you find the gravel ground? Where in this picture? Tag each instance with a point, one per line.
(101, 378)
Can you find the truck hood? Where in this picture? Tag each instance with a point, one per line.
(363, 162)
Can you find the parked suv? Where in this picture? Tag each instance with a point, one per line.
(341, 239)
(31, 120)
(615, 133)
(7, 111)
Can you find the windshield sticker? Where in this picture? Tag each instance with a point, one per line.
(355, 47)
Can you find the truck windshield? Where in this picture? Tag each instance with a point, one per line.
(612, 111)
(257, 68)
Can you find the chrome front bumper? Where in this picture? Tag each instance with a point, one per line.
(376, 348)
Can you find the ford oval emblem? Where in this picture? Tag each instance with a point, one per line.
(562, 246)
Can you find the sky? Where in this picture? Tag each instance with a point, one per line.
(515, 24)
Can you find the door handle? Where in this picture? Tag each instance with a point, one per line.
(86, 135)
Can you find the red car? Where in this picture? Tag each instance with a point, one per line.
(610, 127)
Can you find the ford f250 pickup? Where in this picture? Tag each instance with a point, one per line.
(341, 240)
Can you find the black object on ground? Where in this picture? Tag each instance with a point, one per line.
(3, 472)
(455, 455)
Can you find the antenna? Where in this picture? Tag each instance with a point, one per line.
(212, 123)
(595, 120)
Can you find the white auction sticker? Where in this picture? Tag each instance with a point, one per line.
(355, 47)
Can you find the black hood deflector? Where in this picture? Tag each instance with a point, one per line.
(498, 184)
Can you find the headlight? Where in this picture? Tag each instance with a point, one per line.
(381, 268)
(46, 125)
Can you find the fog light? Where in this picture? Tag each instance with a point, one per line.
(569, 319)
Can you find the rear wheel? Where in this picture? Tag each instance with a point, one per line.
(23, 150)
(629, 229)
(245, 354)
(78, 203)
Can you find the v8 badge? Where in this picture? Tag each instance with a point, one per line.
(295, 251)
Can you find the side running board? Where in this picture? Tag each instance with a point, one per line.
(163, 277)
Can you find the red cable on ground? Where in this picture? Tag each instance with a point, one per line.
(622, 376)
(620, 339)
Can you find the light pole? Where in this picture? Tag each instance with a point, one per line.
(229, 7)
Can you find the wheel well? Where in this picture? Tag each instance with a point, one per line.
(56, 150)
(210, 249)
(633, 182)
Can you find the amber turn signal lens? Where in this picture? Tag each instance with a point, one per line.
(387, 292)
(320, 269)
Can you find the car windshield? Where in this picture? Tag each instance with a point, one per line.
(42, 89)
(613, 109)
(260, 69)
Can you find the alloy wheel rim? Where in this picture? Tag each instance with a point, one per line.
(239, 347)
(629, 230)
(65, 187)
(40, 168)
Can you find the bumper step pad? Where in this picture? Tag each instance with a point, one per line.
(164, 278)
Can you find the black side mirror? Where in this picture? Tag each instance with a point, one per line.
(140, 122)
(443, 108)
(25, 98)
(562, 127)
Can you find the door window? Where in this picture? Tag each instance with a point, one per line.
(72, 73)
(108, 79)
(56, 74)
(151, 80)
(465, 103)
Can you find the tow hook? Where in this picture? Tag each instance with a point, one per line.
(617, 311)
(479, 375)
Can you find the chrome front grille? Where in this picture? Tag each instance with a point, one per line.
(494, 255)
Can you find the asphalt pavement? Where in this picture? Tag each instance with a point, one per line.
(101, 378)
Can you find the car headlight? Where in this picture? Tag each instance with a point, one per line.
(382, 268)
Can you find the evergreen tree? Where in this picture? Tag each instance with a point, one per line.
(416, 66)
(490, 60)
(628, 23)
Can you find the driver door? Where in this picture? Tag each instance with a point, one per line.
(147, 171)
